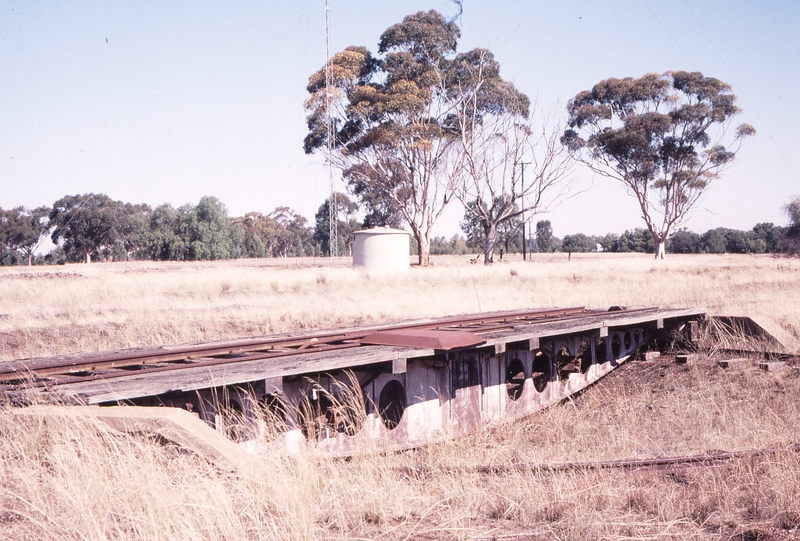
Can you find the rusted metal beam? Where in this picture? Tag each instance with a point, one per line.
(424, 338)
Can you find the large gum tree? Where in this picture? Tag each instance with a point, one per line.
(391, 120)
(665, 137)
(387, 119)
(499, 143)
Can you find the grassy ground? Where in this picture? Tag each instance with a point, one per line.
(78, 481)
(51, 310)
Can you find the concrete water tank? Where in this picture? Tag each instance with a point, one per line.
(382, 249)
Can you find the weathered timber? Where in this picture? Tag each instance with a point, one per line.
(661, 463)
(684, 358)
(591, 322)
(125, 385)
(772, 366)
(755, 333)
(504, 366)
(263, 347)
(191, 378)
(730, 363)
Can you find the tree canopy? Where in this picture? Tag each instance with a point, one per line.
(22, 231)
(88, 224)
(507, 233)
(792, 241)
(392, 120)
(345, 228)
(497, 142)
(544, 236)
(666, 137)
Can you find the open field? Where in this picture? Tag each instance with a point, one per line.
(53, 310)
(79, 481)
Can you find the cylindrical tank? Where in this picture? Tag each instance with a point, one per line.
(382, 249)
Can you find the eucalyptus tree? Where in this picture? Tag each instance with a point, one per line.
(506, 233)
(388, 120)
(665, 137)
(544, 236)
(499, 144)
(213, 234)
(792, 236)
(87, 225)
(168, 235)
(256, 227)
(23, 230)
(346, 208)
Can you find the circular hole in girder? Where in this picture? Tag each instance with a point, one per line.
(515, 379)
(392, 404)
(616, 346)
(540, 370)
(627, 340)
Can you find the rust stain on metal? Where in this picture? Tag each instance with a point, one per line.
(424, 338)
(29, 372)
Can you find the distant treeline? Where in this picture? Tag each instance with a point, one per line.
(762, 238)
(94, 227)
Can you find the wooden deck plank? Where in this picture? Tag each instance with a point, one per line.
(189, 377)
(586, 324)
(24, 365)
(204, 377)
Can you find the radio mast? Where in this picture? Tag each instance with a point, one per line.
(333, 215)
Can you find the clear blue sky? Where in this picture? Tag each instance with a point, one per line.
(164, 102)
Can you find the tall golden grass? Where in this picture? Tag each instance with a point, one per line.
(80, 480)
(54, 310)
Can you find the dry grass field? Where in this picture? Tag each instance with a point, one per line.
(75, 480)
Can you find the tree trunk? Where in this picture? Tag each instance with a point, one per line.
(88, 257)
(661, 245)
(30, 259)
(424, 248)
(488, 246)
